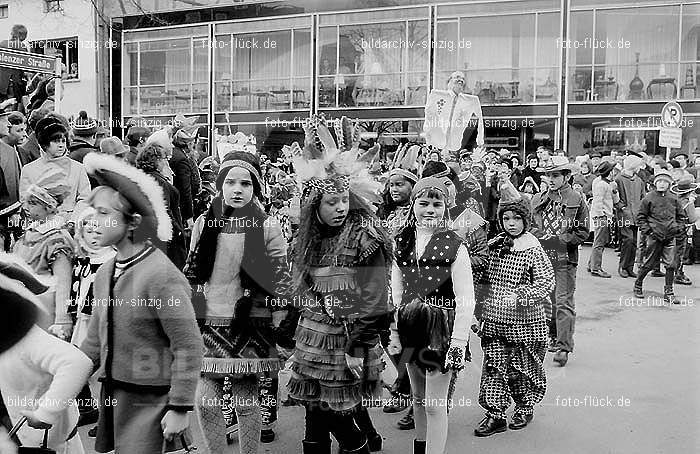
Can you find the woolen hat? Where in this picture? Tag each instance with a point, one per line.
(141, 190)
(427, 183)
(663, 173)
(632, 162)
(84, 126)
(248, 161)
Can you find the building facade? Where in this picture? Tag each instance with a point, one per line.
(67, 29)
(572, 74)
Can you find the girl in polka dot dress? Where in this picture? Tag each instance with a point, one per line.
(432, 288)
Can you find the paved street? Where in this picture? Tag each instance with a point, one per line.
(630, 387)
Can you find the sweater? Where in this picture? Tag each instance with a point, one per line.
(515, 288)
(147, 335)
(603, 199)
(631, 189)
(43, 373)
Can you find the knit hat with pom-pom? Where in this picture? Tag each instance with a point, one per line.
(84, 126)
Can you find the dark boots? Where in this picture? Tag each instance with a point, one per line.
(364, 422)
(364, 449)
(316, 447)
(418, 446)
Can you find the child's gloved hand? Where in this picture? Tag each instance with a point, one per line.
(456, 355)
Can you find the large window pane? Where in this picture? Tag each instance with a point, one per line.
(266, 69)
(130, 64)
(651, 33)
(366, 65)
(690, 53)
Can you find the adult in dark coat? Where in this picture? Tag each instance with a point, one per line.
(151, 160)
(185, 171)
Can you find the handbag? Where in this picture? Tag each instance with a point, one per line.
(184, 441)
(43, 449)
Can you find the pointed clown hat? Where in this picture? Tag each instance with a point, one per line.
(141, 190)
(329, 165)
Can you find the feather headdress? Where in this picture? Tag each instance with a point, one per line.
(405, 162)
(331, 164)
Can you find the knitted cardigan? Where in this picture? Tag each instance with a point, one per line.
(155, 338)
(515, 287)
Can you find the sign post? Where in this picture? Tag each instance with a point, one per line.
(26, 61)
(671, 134)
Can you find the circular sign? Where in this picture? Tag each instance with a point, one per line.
(671, 115)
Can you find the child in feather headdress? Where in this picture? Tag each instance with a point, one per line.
(340, 269)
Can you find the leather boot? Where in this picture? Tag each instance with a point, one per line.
(316, 447)
(418, 446)
(364, 449)
(669, 297)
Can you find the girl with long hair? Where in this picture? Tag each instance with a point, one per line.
(239, 256)
(340, 273)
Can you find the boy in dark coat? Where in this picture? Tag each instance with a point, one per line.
(661, 218)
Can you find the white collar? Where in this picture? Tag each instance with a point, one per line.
(525, 241)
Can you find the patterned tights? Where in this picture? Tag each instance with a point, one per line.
(244, 394)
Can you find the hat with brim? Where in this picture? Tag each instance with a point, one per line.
(604, 168)
(684, 185)
(141, 190)
(559, 164)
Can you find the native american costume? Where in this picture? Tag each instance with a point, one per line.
(340, 274)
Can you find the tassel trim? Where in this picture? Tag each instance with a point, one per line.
(347, 397)
(321, 340)
(327, 284)
(314, 372)
(217, 321)
(241, 366)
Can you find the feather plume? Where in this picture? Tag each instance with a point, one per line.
(410, 158)
(347, 128)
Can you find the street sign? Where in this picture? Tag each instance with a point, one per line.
(671, 115)
(670, 137)
(28, 62)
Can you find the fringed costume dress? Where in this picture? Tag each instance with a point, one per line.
(344, 310)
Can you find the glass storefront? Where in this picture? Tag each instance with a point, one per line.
(379, 65)
(165, 72)
(370, 59)
(634, 53)
(508, 52)
(263, 65)
(615, 134)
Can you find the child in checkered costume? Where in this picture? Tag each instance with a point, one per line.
(515, 306)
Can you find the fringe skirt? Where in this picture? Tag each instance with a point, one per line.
(319, 370)
(425, 331)
(248, 351)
